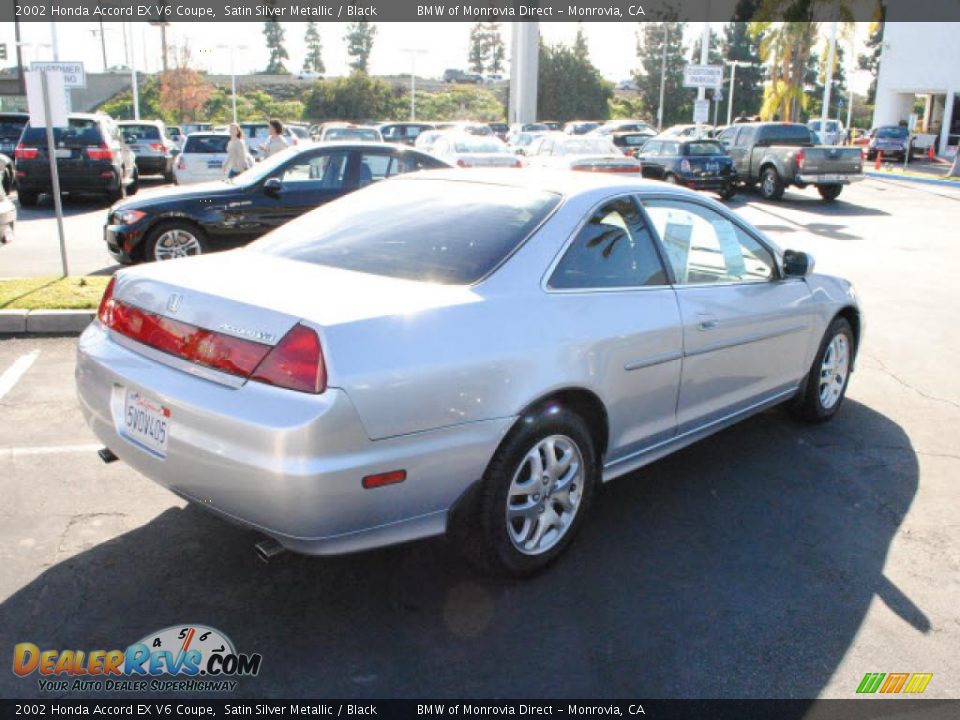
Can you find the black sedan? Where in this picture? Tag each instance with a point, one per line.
(698, 164)
(227, 213)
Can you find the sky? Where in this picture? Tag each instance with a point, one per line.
(612, 45)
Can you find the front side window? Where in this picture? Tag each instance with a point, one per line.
(614, 249)
(321, 172)
(703, 247)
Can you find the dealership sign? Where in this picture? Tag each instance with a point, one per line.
(73, 74)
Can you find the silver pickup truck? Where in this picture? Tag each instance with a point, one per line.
(776, 155)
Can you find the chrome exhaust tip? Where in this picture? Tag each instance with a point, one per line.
(106, 454)
(267, 549)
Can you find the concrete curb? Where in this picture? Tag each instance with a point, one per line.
(908, 178)
(44, 322)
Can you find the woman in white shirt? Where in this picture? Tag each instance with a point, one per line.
(238, 159)
(276, 142)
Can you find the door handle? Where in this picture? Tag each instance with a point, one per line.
(707, 324)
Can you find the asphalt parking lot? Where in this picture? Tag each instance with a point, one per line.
(771, 560)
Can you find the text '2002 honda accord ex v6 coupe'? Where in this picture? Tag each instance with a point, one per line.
(452, 351)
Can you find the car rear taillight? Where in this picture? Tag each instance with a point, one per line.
(462, 163)
(517, 163)
(801, 159)
(296, 362)
(158, 147)
(99, 152)
(105, 313)
(25, 153)
(685, 166)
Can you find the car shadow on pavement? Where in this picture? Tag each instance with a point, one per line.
(740, 567)
(807, 200)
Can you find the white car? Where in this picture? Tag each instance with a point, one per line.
(833, 133)
(586, 153)
(466, 150)
(202, 158)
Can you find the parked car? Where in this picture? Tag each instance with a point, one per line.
(627, 85)
(187, 128)
(426, 140)
(500, 129)
(553, 125)
(620, 126)
(151, 146)
(891, 140)
(300, 132)
(520, 143)
(8, 218)
(580, 127)
(630, 143)
(309, 75)
(583, 153)
(348, 132)
(689, 131)
(202, 158)
(469, 151)
(460, 76)
(493, 78)
(527, 127)
(92, 158)
(697, 164)
(11, 128)
(470, 128)
(478, 365)
(7, 173)
(832, 133)
(403, 132)
(180, 222)
(777, 155)
(256, 135)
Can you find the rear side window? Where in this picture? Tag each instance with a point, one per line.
(439, 231)
(613, 250)
(206, 144)
(10, 128)
(705, 148)
(79, 132)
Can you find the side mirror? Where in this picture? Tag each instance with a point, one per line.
(797, 264)
(272, 186)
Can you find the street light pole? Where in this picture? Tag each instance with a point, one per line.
(828, 81)
(233, 74)
(133, 74)
(413, 52)
(663, 75)
(733, 77)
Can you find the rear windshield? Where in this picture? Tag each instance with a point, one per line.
(448, 232)
(786, 134)
(206, 144)
(634, 140)
(134, 133)
(478, 145)
(705, 148)
(10, 128)
(898, 133)
(350, 134)
(79, 132)
(588, 146)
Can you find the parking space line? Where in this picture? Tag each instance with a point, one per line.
(14, 452)
(12, 375)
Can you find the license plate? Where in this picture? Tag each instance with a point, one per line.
(214, 164)
(832, 178)
(713, 167)
(146, 423)
(62, 153)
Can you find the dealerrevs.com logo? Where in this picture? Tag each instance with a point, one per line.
(178, 658)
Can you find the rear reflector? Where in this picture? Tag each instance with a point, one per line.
(295, 363)
(25, 153)
(389, 478)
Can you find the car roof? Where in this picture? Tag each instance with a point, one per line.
(549, 180)
(140, 122)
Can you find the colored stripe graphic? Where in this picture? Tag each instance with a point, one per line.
(918, 682)
(894, 682)
(870, 682)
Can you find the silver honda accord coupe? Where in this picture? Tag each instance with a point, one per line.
(470, 352)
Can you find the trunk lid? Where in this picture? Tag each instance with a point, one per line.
(832, 160)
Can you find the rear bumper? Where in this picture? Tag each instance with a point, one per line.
(828, 179)
(154, 164)
(121, 242)
(288, 464)
(715, 182)
(92, 179)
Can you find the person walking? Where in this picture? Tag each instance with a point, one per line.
(276, 142)
(238, 159)
(955, 168)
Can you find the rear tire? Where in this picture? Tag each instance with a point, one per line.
(672, 179)
(728, 191)
(28, 198)
(134, 185)
(826, 385)
(771, 185)
(534, 496)
(829, 192)
(174, 239)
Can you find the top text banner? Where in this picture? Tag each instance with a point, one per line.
(449, 11)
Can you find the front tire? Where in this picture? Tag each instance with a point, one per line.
(535, 494)
(771, 185)
(826, 384)
(174, 239)
(829, 192)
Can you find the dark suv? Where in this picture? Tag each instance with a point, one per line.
(11, 128)
(151, 145)
(91, 158)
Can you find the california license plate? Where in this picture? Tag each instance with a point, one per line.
(713, 167)
(146, 422)
(63, 153)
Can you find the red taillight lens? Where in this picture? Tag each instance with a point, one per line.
(25, 153)
(801, 158)
(105, 313)
(99, 152)
(462, 163)
(158, 147)
(295, 363)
